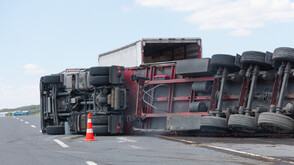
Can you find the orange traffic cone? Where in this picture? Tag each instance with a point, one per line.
(89, 135)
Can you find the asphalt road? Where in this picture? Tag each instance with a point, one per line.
(22, 143)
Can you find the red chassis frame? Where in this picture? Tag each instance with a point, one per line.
(136, 108)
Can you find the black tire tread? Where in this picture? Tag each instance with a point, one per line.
(267, 120)
(99, 80)
(222, 60)
(99, 71)
(283, 54)
(52, 79)
(243, 123)
(255, 57)
(55, 130)
(213, 121)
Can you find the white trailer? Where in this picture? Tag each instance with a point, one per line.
(150, 50)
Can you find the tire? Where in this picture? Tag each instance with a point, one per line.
(283, 54)
(99, 120)
(41, 85)
(52, 79)
(274, 122)
(242, 123)
(99, 71)
(100, 129)
(222, 60)
(254, 57)
(99, 80)
(55, 130)
(213, 124)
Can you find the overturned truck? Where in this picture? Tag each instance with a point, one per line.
(165, 86)
(68, 97)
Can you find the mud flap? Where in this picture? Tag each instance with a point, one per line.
(78, 123)
(82, 123)
(183, 123)
(115, 124)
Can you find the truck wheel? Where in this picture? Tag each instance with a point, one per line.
(254, 57)
(213, 124)
(274, 122)
(52, 79)
(99, 80)
(242, 123)
(99, 71)
(100, 129)
(55, 130)
(222, 60)
(283, 54)
(99, 120)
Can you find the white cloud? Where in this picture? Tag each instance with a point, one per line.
(13, 96)
(240, 16)
(32, 69)
(240, 32)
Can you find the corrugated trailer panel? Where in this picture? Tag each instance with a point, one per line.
(152, 50)
(127, 56)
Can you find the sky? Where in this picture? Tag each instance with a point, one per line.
(43, 37)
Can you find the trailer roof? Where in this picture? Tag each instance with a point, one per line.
(158, 40)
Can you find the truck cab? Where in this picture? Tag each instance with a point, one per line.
(68, 96)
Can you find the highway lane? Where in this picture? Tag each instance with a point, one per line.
(22, 143)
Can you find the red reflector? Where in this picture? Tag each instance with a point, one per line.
(118, 128)
(161, 77)
(119, 71)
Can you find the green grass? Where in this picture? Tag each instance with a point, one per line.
(33, 108)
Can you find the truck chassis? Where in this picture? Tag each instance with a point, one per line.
(248, 94)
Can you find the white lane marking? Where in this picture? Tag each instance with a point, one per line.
(40, 131)
(124, 139)
(135, 147)
(245, 153)
(17, 118)
(230, 150)
(91, 163)
(21, 119)
(27, 122)
(13, 117)
(33, 126)
(61, 143)
(240, 152)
